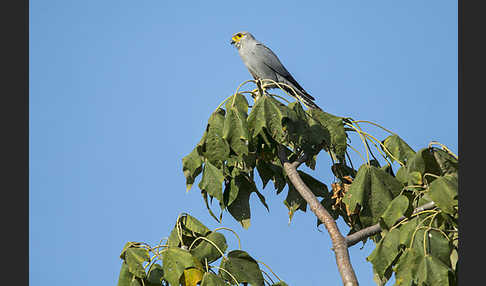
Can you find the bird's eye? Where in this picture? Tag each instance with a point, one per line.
(239, 35)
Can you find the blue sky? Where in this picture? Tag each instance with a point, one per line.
(120, 91)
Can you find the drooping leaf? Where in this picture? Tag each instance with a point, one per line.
(190, 225)
(294, 201)
(235, 131)
(192, 167)
(211, 279)
(396, 209)
(443, 191)
(422, 162)
(174, 261)
(155, 274)
(216, 148)
(385, 252)
(212, 181)
(398, 148)
(243, 267)
(240, 207)
(267, 114)
(432, 272)
(335, 126)
(125, 277)
(447, 163)
(269, 171)
(239, 102)
(206, 250)
(135, 257)
(407, 267)
(373, 189)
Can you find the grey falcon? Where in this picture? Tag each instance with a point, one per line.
(264, 64)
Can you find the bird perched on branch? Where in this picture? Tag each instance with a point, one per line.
(264, 64)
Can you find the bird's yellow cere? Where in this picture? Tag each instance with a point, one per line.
(237, 37)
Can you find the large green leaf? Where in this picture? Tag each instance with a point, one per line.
(443, 191)
(398, 148)
(207, 251)
(235, 130)
(125, 277)
(385, 252)
(237, 101)
(407, 267)
(294, 200)
(422, 162)
(240, 207)
(396, 209)
(267, 114)
(373, 189)
(135, 257)
(270, 171)
(155, 274)
(433, 243)
(432, 272)
(243, 267)
(212, 181)
(216, 147)
(335, 127)
(174, 261)
(192, 167)
(447, 163)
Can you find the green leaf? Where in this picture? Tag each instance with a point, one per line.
(447, 163)
(269, 171)
(243, 267)
(396, 209)
(135, 257)
(210, 279)
(240, 207)
(431, 272)
(155, 274)
(335, 127)
(318, 188)
(125, 277)
(385, 252)
(407, 266)
(398, 148)
(217, 148)
(192, 167)
(235, 131)
(239, 102)
(443, 191)
(422, 162)
(294, 201)
(373, 189)
(267, 113)
(206, 250)
(406, 231)
(212, 181)
(191, 225)
(174, 261)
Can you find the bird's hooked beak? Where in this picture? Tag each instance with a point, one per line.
(232, 42)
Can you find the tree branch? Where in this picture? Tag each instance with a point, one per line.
(358, 236)
(338, 241)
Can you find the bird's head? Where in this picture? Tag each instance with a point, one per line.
(238, 38)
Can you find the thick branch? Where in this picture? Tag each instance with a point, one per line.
(358, 236)
(338, 241)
